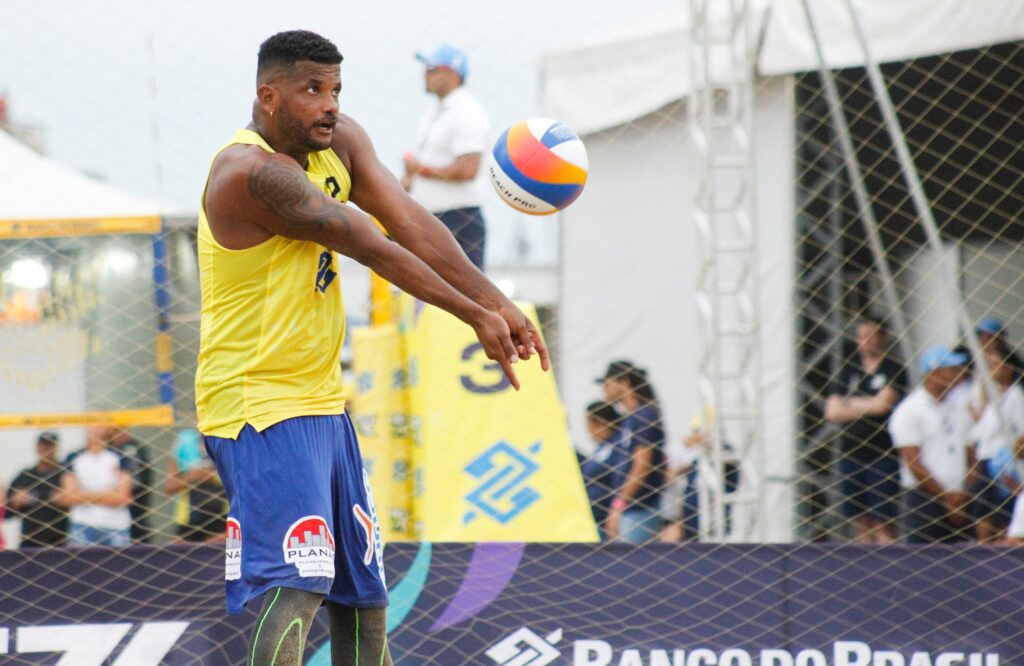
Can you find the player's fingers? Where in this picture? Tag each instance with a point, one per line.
(506, 357)
(538, 346)
(506, 366)
(521, 338)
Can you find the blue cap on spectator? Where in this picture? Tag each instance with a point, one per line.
(990, 325)
(446, 56)
(941, 357)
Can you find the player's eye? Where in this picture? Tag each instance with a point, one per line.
(313, 90)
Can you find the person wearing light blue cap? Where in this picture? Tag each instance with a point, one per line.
(996, 436)
(450, 144)
(936, 458)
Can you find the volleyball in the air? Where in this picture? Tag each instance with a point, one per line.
(538, 166)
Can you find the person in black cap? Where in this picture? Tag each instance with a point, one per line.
(635, 512)
(43, 523)
(605, 469)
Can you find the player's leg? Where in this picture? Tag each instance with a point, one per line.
(358, 597)
(279, 636)
(359, 636)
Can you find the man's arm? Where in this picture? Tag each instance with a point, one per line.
(19, 495)
(465, 167)
(841, 410)
(375, 190)
(118, 496)
(274, 193)
(925, 482)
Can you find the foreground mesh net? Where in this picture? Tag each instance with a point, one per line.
(752, 327)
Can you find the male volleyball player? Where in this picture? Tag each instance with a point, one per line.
(302, 530)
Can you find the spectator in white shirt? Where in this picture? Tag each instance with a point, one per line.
(936, 459)
(97, 487)
(998, 429)
(450, 144)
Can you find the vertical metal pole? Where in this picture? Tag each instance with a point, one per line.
(164, 344)
(727, 290)
(842, 130)
(924, 210)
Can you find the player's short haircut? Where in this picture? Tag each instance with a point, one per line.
(287, 48)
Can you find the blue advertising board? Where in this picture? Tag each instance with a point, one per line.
(530, 605)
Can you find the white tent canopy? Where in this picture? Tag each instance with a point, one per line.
(629, 264)
(33, 187)
(600, 85)
(895, 30)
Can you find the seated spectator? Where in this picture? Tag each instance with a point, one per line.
(43, 523)
(97, 488)
(936, 457)
(635, 514)
(605, 469)
(200, 512)
(868, 467)
(996, 435)
(685, 526)
(991, 332)
(137, 460)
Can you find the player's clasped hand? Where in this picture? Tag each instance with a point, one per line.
(525, 335)
(496, 337)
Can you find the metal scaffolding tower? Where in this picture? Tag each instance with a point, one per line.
(722, 47)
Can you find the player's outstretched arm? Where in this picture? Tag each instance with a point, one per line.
(379, 193)
(278, 196)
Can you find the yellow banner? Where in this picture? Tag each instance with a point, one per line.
(379, 410)
(161, 415)
(490, 463)
(94, 226)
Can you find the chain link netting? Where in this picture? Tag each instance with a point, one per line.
(812, 383)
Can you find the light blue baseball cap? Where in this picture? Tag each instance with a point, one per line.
(934, 358)
(447, 56)
(990, 325)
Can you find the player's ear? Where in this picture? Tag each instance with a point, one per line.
(267, 98)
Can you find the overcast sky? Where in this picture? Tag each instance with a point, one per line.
(142, 93)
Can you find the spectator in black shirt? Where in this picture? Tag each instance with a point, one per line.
(43, 523)
(860, 403)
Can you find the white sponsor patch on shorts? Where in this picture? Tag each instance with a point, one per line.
(233, 550)
(309, 545)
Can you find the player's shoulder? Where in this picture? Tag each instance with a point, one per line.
(234, 169)
(349, 136)
(239, 159)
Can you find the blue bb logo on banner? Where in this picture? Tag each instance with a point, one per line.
(503, 493)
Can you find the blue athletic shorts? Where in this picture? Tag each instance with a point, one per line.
(301, 513)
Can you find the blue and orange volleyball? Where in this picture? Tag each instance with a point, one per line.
(539, 166)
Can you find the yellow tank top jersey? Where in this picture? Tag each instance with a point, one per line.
(272, 321)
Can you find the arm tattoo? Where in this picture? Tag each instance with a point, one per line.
(287, 193)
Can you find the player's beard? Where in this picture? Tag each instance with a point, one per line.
(301, 135)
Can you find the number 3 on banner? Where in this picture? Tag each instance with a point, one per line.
(492, 379)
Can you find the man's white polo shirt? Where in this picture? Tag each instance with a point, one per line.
(100, 470)
(457, 126)
(941, 433)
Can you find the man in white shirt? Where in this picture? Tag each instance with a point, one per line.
(97, 488)
(936, 459)
(450, 144)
